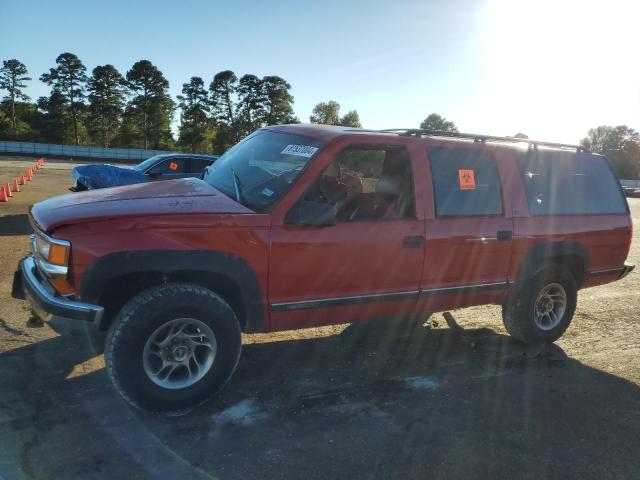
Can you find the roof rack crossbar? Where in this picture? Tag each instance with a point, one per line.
(533, 144)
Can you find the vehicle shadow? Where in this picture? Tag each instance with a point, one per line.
(388, 400)
(11, 225)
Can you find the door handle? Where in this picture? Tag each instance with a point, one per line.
(415, 241)
(504, 235)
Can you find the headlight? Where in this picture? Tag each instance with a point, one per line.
(52, 258)
(50, 250)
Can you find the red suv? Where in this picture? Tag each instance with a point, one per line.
(299, 225)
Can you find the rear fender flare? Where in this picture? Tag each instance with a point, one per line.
(538, 256)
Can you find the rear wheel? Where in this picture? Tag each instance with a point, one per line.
(542, 309)
(172, 347)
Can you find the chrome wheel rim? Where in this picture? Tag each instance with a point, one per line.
(550, 306)
(179, 353)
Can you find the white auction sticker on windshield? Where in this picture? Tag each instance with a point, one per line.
(300, 150)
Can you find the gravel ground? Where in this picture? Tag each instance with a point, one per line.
(391, 400)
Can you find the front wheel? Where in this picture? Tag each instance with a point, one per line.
(542, 309)
(172, 347)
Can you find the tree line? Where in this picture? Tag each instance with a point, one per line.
(135, 110)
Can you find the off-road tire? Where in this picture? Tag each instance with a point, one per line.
(141, 316)
(518, 311)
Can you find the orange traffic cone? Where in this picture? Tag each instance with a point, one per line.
(29, 174)
(15, 188)
(21, 180)
(3, 195)
(7, 189)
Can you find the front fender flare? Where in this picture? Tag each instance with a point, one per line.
(168, 262)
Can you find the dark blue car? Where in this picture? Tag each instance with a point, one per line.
(167, 166)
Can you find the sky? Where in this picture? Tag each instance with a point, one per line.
(549, 68)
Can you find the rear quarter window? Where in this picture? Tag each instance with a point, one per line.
(569, 183)
(197, 165)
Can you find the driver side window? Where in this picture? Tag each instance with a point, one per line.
(367, 183)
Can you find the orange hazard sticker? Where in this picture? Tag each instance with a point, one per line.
(173, 166)
(467, 179)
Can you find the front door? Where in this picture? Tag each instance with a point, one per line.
(369, 263)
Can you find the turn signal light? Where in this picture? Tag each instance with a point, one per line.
(61, 285)
(57, 254)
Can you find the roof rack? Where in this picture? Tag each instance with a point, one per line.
(533, 144)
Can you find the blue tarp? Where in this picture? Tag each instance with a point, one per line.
(105, 175)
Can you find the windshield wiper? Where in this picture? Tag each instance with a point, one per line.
(237, 185)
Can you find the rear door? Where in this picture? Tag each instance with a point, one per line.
(469, 230)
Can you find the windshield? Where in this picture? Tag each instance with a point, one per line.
(262, 168)
(142, 166)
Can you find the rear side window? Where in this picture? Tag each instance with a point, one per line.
(197, 165)
(465, 182)
(171, 165)
(566, 183)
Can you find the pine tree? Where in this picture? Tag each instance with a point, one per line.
(151, 105)
(55, 126)
(13, 76)
(68, 79)
(223, 90)
(278, 104)
(251, 104)
(195, 126)
(106, 103)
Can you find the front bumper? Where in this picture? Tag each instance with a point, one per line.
(46, 303)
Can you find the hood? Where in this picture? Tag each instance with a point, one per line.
(188, 195)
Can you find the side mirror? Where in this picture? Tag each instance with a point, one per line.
(312, 214)
(153, 174)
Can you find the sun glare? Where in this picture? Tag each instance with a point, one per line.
(569, 57)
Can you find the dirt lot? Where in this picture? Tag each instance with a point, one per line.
(393, 400)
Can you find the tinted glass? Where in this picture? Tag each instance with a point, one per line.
(171, 165)
(198, 164)
(465, 182)
(367, 183)
(564, 183)
(142, 166)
